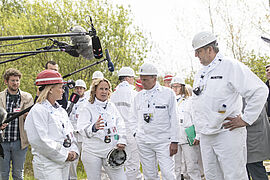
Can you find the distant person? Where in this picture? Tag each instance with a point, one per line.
(123, 98)
(49, 130)
(258, 146)
(15, 142)
(267, 70)
(167, 80)
(187, 151)
(217, 105)
(79, 89)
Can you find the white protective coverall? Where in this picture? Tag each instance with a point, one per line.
(94, 149)
(190, 154)
(123, 98)
(154, 137)
(224, 81)
(73, 119)
(46, 127)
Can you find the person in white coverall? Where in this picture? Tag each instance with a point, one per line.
(217, 103)
(103, 129)
(49, 130)
(123, 98)
(189, 153)
(79, 88)
(157, 125)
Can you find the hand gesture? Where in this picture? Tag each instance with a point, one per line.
(235, 122)
(99, 124)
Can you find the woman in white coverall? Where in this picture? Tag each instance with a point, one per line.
(190, 153)
(102, 129)
(49, 130)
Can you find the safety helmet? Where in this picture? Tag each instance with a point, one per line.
(177, 80)
(126, 71)
(48, 77)
(97, 74)
(148, 69)
(116, 158)
(80, 83)
(202, 39)
(168, 77)
(139, 83)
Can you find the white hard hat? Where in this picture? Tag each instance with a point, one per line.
(148, 69)
(177, 80)
(97, 74)
(80, 83)
(202, 39)
(126, 71)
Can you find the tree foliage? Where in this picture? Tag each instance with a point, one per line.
(125, 42)
(257, 64)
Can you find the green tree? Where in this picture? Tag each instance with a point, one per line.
(257, 64)
(125, 42)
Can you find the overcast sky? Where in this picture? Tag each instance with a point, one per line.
(173, 23)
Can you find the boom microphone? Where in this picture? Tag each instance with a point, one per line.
(110, 63)
(265, 39)
(84, 47)
(71, 50)
(74, 98)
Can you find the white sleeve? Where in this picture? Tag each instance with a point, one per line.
(85, 122)
(251, 88)
(174, 119)
(133, 123)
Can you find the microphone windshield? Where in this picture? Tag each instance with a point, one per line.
(74, 98)
(110, 63)
(83, 43)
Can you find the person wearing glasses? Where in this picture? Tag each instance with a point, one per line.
(217, 103)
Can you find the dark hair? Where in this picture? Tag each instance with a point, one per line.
(12, 72)
(49, 62)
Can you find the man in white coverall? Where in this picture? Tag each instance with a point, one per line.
(157, 125)
(123, 98)
(80, 88)
(217, 103)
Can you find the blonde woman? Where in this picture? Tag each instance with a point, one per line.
(103, 129)
(190, 153)
(49, 130)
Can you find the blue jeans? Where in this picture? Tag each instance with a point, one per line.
(14, 153)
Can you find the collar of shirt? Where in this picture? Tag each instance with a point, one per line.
(207, 69)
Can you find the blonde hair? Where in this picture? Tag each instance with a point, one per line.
(184, 91)
(94, 86)
(44, 93)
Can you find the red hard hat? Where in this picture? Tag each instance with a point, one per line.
(139, 83)
(48, 77)
(168, 77)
